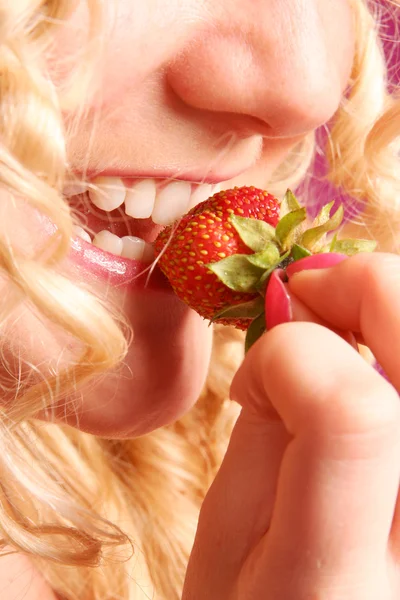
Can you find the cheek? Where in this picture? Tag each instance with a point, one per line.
(338, 22)
(143, 38)
(137, 39)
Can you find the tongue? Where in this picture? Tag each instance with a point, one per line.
(115, 221)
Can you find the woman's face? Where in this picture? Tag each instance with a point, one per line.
(190, 92)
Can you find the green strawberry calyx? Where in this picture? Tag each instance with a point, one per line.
(275, 248)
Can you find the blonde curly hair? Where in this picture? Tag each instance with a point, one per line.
(123, 514)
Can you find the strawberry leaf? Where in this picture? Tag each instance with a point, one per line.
(255, 331)
(311, 237)
(299, 252)
(331, 245)
(351, 247)
(253, 232)
(324, 215)
(285, 231)
(289, 204)
(266, 258)
(245, 310)
(237, 273)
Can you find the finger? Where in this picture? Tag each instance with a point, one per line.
(237, 510)
(301, 312)
(339, 476)
(361, 294)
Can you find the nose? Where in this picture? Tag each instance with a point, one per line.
(285, 63)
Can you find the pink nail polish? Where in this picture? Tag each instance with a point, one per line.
(316, 261)
(278, 306)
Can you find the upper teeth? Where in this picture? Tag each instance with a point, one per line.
(143, 199)
(146, 198)
(140, 199)
(108, 194)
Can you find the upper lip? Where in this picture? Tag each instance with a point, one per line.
(193, 176)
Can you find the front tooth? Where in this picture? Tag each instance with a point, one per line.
(136, 249)
(80, 232)
(140, 198)
(105, 240)
(171, 202)
(108, 194)
(201, 193)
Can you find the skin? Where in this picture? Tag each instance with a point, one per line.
(304, 504)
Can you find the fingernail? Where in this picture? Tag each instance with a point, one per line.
(278, 306)
(316, 261)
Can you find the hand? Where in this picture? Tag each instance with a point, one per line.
(305, 505)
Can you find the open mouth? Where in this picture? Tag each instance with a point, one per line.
(125, 217)
(120, 219)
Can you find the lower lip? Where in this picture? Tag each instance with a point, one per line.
(115, 270)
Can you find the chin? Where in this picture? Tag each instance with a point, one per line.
(159, 381)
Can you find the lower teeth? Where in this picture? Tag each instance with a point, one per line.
(81, 233)
(105, 240)
(129, 246)
(136, 248)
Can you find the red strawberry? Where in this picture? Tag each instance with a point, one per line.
(205, 235)
(220, 256)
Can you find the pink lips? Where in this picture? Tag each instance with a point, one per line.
(192, 175)
(115, 270)
(107, 267)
